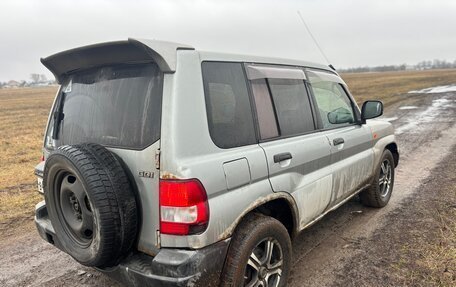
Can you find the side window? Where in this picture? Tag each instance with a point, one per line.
(228, 105)
(292, 106)
(333, 103)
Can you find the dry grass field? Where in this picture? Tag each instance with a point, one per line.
(23, 115)
(391, 87)
(24, 111)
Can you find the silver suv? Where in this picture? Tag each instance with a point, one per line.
(168, 166)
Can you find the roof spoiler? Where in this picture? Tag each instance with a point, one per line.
(164, 54)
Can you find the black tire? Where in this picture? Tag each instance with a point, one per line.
(251, 237)
(379, 193)
(91, 204)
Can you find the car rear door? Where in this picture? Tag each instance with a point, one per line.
(298, 157)
(119, 107)
(351, 142)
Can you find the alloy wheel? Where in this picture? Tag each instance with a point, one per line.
(384, 181)
(264, 266)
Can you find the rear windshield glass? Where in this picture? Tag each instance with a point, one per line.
(118, 106)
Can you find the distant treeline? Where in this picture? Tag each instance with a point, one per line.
(36, 80)
(41, 80)
(423, 65)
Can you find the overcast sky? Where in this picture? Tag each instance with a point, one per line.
(351, 32)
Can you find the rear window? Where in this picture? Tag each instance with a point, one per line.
(228, 105)
(292, 106)
(117, 106)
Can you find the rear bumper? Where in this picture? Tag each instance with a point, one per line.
(170, 267)
(173, 267)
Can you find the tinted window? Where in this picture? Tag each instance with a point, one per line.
(292, 106)
(265, 110)
(228, 105)
(333, 103)
(116, 106)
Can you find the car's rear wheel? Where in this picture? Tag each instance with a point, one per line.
(259, 254)
(91, 204)
(379, 193)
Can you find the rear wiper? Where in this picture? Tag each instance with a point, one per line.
(58, 116)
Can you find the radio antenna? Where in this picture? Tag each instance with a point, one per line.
(313, 38)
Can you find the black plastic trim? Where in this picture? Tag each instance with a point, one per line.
(170, 267)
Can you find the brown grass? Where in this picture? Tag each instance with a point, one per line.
(429, 258)
(391, 87)
(23, 115)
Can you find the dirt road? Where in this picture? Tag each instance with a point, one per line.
(325, 254)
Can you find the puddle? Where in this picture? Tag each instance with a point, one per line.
(425, 116)
(436, 90)
(408, 108)
(389, 119)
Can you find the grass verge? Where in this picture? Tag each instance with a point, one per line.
(417, 246)
(429, 259)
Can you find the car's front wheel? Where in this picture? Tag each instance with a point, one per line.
(259, 254)
(379, 193)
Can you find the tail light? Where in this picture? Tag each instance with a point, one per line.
(42, 157)
(184, 209)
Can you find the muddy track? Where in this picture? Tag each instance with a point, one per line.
(426, 133)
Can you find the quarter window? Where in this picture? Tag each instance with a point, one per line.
(228, 105)
(265, 110)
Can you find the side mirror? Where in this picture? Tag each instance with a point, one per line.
(340, 116)
(371, 109)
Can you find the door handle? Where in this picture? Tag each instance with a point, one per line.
(338, 141)
(282, 156)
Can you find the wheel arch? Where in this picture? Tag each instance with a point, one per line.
(392, 147)
(278, 205)
(282, 210)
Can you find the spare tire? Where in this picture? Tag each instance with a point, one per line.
(91, 204)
